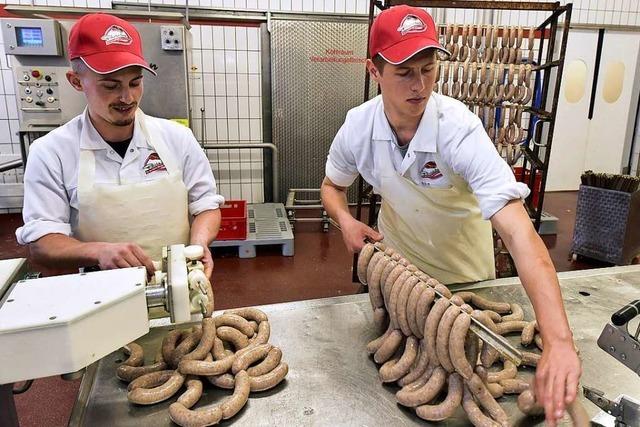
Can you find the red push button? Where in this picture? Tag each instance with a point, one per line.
(36, 74)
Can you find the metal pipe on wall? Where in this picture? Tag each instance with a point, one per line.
(274, 159)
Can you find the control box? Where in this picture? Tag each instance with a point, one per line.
(31, 37)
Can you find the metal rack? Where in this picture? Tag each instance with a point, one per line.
(534, 149)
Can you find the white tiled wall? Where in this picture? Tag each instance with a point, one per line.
(227, 84)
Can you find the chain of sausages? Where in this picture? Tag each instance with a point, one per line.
(488, 71)
(230, 351)
(427, 347)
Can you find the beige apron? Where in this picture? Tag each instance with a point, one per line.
(152, 214)
(439, 230)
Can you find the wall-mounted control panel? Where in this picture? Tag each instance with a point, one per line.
(39, 89)
(172, 37)
(31, 37)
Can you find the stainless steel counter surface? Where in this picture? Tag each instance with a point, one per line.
(332, 381)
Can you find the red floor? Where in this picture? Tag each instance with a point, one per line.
(320, 268)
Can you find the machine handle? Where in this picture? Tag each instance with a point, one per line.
(626, 313)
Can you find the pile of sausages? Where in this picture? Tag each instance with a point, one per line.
(427, 346)
(231, 351)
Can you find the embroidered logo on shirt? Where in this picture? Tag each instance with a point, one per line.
(411, 24)
(153, 164)
(430, 171)
(116, 35)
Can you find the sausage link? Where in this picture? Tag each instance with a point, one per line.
(242, 362)
(391, 265)
(457, 340)
(254, 325)
(488, 354)
(424, 306)
(268, 364)
(388, 284)
(375, 292)
(206, 341)
(129, 373)
(187, 344)
(495, 317)
(431, 329)
(496, 390)
(169, 343)
(530, 359)
(135, 353)
(528, 405)
(150, 380)
(473, 411)
(380, 318)
(262, 337)
(426, 393)
(218, 351)
(271, 379)
(363, 262)
(510, 370)
(226, 381)
(526, 338)
(419, 367)
(508, 327)
(578, 414)
(514, 386)
(233, 336)
(442, 337)
(392, 305)
(149, 396)
(375, 344)
(235, 321)
(375, 260)
(185, 417)
(443, 290)
(412, 305)
(193, 393)
(203, 367)
(232, 405)
(538, 340)
(448, 406)
(401, 305)
(517, 313)
(392, 371)
(249, 313)
(388, 347)
(486, 304)
(480, 392)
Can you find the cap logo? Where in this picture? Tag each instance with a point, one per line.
(116, 35)
(411, 24)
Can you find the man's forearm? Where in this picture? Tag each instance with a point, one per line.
(60, 251)
(205, 227)
(334, 201)
(540, 281)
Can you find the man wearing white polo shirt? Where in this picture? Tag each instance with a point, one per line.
(443, 186)
(113, 186)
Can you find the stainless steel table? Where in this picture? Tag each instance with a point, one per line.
(331, 379)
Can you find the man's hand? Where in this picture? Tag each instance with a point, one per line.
(207, 261)
(557, 376)
(354, 232)
(122, 255)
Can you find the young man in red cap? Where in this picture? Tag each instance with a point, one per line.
(443, 186)
(113, 186)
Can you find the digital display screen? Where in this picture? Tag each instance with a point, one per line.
(29, 37)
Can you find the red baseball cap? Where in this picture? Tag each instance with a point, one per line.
(106, 43)
(400, 32)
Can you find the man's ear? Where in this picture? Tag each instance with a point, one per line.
(371, 67)
(74, 80)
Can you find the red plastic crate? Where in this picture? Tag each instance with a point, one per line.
(234, 220)
(537, 183)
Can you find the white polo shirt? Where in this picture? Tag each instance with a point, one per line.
(448, 127)
(51, 176)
